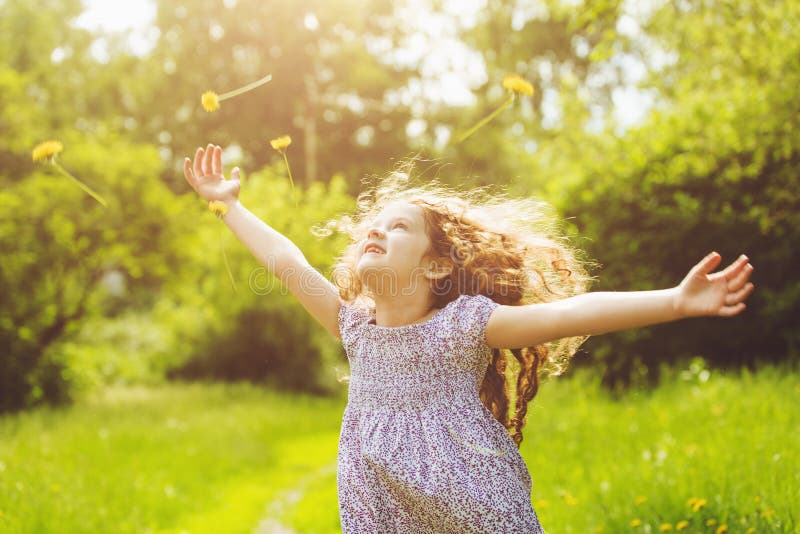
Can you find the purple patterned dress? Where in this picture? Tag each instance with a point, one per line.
(418, 451)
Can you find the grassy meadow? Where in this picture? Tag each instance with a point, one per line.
(703, 452)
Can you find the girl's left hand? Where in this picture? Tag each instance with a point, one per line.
(721, 294)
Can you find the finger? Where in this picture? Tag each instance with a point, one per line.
(198, 159)
(739, 278)
(237, 184)
(216, 161)
(730, 311)
(707, 264)
(739, 296)
(187, 171)
(734, 268)
(207, 159)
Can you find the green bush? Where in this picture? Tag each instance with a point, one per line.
(714, 167)
(59, 245)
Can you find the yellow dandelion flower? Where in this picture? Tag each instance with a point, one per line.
(280, 143)
(641, 499)
(218, 208)
(766, 514)
(757, 499)
(542, 503)
(46, 150)
(600, 528)
(636, 522)
(750, 530)
(698, 504)
(210, 101)
(570, 500)
(691, 501)
(722, 528)
(665, 527)
(55, 488)
(711, 522)
(517, 85)
(680, 525)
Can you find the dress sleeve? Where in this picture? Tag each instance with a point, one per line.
(349, 317)
(472, 314)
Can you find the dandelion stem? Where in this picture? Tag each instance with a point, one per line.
(486, 119)
(246, 88)
(225, 259)
(82, 185)
(291, 181)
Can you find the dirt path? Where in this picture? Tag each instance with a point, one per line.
(288, 499)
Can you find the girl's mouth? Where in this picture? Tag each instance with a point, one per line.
(372, 248)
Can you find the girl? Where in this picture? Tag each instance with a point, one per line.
(432, 289)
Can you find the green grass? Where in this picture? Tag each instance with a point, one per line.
(200, 458)
(213, 458)
(731, 440)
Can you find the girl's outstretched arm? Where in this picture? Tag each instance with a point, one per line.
(701, 293)
(272, 249)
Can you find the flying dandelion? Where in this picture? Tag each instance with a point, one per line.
(280, 144)
(227, 265)
(220, 209)
(210, 100)
(47, 152)
(515, 85)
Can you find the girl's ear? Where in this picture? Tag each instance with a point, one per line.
(437, 270)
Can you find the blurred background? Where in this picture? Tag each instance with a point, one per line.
(141, 391)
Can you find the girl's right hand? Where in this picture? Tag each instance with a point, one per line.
(206, 178)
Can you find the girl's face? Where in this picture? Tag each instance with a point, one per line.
(399, 268)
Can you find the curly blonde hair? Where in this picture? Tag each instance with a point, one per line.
(509, 250)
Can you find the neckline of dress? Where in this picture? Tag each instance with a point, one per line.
(426, 321)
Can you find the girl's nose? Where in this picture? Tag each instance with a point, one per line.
(375, 231)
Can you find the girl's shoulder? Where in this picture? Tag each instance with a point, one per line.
(464, 317)
(351, 314)
(469, 316)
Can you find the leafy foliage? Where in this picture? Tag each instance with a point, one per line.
(61, 246)
(324, 89)
(130, 292)
(260, 332)
(713, 168)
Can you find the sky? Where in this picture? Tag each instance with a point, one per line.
(112, 17)
(450, 67)
(117, 16)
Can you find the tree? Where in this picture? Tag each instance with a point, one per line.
(60, 244)
(326, 85)
(713, 168)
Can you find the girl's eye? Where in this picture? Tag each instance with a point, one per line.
(400, 224)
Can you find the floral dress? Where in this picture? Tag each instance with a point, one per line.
(418, 451)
